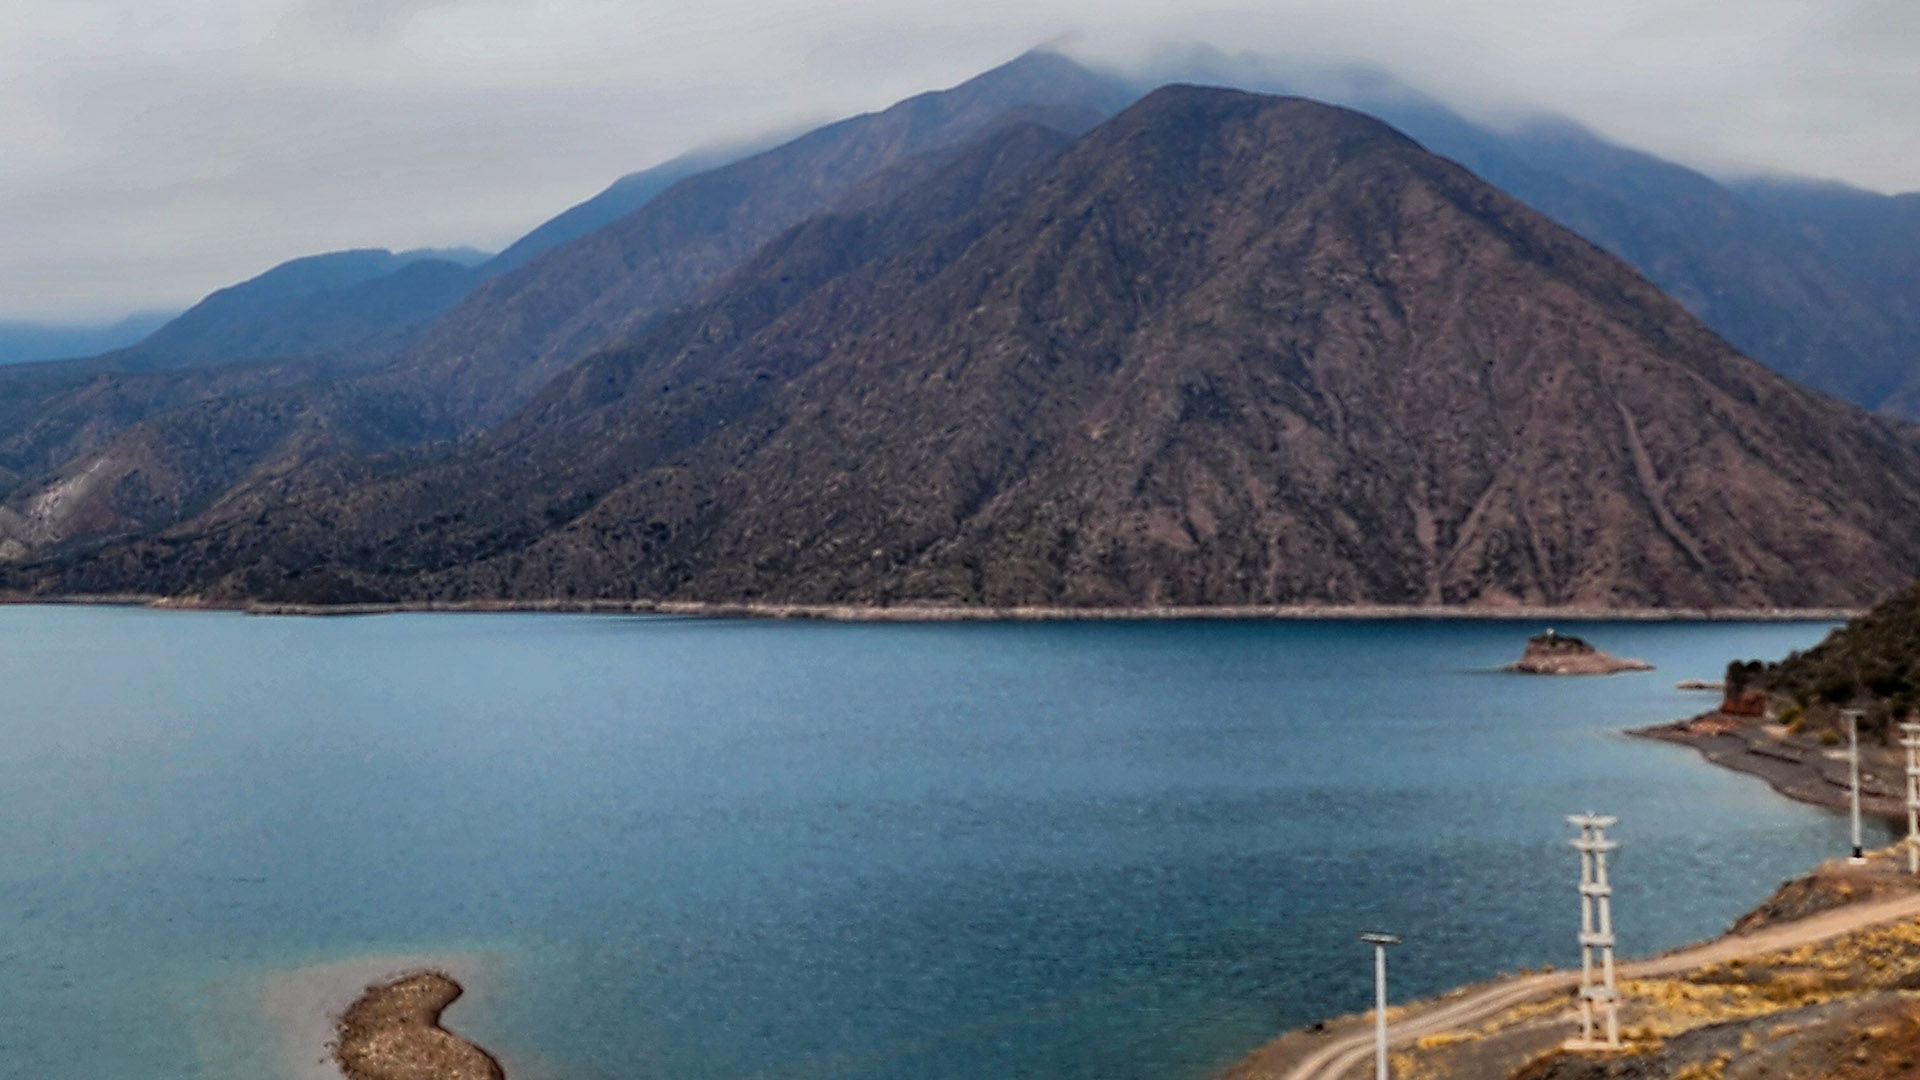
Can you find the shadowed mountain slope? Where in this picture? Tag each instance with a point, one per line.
(1225, 349)
(1874, 240)
(498, 347)
(1743, 268)
(591, 292)
(622, 197)
(1809, 279)
(318, 305)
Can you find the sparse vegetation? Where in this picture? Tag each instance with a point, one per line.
(1872, 663)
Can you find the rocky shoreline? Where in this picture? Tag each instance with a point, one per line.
(1794, 764)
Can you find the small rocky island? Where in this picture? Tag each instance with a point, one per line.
(1554, 653)
(393, 1033)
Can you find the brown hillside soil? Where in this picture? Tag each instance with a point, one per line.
(393, 1033)
(1832, 884)
(1874, 1037)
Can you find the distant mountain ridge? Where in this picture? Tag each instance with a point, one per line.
(312, 306)
(1223, 349)
(35, 342)
(1816, 280)
(1874, 240)
(620, 198)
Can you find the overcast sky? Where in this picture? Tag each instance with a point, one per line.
(151, 150)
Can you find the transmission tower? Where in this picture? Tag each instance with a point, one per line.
(1910, 738)
(1596, 928)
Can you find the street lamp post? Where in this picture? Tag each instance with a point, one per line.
(1380, 942)
(1853, 772)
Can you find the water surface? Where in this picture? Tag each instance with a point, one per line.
(731, 849)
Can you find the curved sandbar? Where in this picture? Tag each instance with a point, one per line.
(393, 1033)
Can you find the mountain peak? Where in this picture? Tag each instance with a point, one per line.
(1285, 119)
(1038, 76)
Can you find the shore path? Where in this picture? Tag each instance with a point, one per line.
(1341, 1056)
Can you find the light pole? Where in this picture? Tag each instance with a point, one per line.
(1853, 772)
(1910, 738)
(1380, 942)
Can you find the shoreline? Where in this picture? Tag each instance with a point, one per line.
(932, 613)
(1805, 774)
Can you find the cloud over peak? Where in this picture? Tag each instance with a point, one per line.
(156, 149)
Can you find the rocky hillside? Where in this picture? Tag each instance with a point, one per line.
(1225, 349)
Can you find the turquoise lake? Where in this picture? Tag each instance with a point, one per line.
(718, 850)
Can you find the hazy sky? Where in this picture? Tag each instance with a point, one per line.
(151, 150)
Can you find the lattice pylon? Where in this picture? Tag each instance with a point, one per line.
(1596, 928)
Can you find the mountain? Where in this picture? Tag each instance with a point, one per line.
(1224, 349)
(30, 342)
(503, 342)
(184, 391)
(132, 470)
(1815, 280)
(312, 306)
(1874, 240)
(1743, 268)
(161, 396)
(622, 197)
